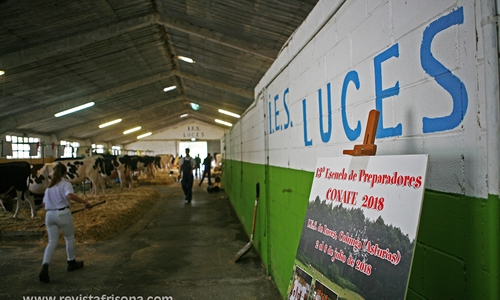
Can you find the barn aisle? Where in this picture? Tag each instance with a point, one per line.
(185, 251)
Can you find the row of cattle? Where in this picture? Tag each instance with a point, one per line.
(26, 179)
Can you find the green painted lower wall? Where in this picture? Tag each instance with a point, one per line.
(457, 255)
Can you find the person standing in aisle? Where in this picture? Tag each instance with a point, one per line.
(187, 164)
(207, 165)
(58, 217)
(198, 163)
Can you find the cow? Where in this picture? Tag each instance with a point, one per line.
(81, 169)
(157, 163)
(142, 163)
(118, 164)
(15, 176)
(40, 177)
(166, 161)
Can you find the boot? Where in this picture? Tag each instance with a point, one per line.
(74, 265)
(44, 273)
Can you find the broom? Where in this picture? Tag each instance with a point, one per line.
(248, 246)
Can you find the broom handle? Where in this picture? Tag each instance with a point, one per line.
(80, 209)
(257, 190)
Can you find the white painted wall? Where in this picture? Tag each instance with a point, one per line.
(165, 142)
(156, 146)
(191, 129)
(418, 62)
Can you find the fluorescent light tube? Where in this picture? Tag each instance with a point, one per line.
(72, 110)
(132, 130)
(229, 113)
(110, 123)
(186, 59)
(184, 115)
(144, 135)
(173, 87)
(2, 72)
(223, 122)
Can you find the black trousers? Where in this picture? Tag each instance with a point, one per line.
(206, 172)
(187, 186)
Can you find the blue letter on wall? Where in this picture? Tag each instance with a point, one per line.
(276, 114)
(325, 136)
(287, 111)
(350, 133)
(380, 94)
(443, 76)
(304, 117)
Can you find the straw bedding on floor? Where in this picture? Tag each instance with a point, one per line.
(100, 223)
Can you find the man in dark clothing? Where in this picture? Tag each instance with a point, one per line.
(207, 164)
(198, 163)
(187, 164)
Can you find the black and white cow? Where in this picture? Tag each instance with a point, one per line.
(157, 163)
(142, 164)
(116, 164)
(81, 169)
(15, 176)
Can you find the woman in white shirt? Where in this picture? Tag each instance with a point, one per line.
(58, 217)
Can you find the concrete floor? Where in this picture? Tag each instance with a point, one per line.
(176, 250)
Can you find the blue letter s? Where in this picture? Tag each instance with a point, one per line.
(443, 76)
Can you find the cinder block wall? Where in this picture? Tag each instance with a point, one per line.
(422, 65)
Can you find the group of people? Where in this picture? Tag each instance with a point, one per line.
(187, 165)
(58, 217)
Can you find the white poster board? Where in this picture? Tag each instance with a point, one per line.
(360, 228)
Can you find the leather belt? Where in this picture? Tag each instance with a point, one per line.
(58, 208)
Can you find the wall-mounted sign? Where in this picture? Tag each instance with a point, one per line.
(189, 130)
(360, 228)
(193, 131)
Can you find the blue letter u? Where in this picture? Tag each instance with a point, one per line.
(325, 136)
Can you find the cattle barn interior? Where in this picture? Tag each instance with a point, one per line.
(121, 55)
(149, 63)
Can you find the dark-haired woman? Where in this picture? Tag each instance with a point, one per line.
(58, 217)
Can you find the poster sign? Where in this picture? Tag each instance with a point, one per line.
(360, 228)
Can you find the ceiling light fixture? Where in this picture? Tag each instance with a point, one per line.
(173, 87)
(193, 139)
(72, 110)
(223, 122)
(184, 115)
(186, 59)
(2, 72)
(229, 113)
(144, 135)
(195, 106)
(110, 123)
(132, 130)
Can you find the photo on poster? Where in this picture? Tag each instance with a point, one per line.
(322, 292)
(301, 285)
(359, 232)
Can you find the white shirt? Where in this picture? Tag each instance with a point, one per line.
(57, 196)
(181, 162)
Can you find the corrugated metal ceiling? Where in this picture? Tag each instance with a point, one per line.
(121, 54)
